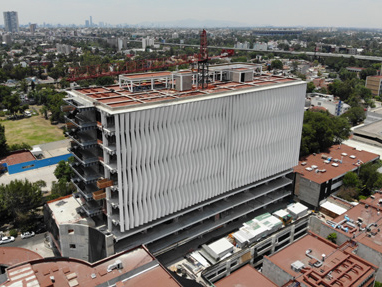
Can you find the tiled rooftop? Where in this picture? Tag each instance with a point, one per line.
(337, 153)
(114, 96)
(332, 271)
(18, 157)
(10, 256)
(369, 212)
(245, 277)
(138, 268)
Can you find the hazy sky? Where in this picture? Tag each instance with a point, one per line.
(337, 13)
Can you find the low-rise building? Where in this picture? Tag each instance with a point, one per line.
(135, 267)
(319, 175)
(73, 235)
(314, 261)
(361, 224)
(333, 106)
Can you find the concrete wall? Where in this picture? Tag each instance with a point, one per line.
(29, 165)
(307, 191)
(372, 256)
(76, 242)
(275, 273)
(322, 229)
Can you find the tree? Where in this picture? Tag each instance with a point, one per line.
(355, 115)
(332, 237)
(3, 142)
(367, 72)
(320, 131)
(277, 64)
(61, 188)
(19, 197)
(310, 87)
(351, 180)
(63, 171)
(24, 85)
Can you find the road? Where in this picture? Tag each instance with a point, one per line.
(35, 243)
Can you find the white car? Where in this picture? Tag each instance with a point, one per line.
(27, 234)
(7, 239)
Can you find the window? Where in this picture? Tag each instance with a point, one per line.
(72, 246)
(70, 231)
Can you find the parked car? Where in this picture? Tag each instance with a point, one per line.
(40, 229)
(27, 234)
(7, 239)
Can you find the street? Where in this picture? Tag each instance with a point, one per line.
(35, 243)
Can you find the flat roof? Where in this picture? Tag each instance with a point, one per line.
(333, 207)
(373, 130)
(10, 256)
(245, 277)
(18, 157)
(337, 258)
(335, 152)
(113, 97)
(64, 210)
(369, 212)
(137, 268)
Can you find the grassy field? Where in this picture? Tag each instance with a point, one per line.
(33, 131)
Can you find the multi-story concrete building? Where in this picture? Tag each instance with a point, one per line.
(374, 83)
(318, 176)
(313, 261)
(334, 107)
(360, 224)
(11, 21)
(156, 156)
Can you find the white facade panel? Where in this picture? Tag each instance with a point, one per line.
(173, 157)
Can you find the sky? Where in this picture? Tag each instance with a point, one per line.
(285, 13)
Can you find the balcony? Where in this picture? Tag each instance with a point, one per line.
(99, 194)
(104, 183)
(81, 122)
(87, 175)
(99, 125)
(110, 149)
(67, 108)
(80, 104)
(85, 157)
(84, 141)
(112, 165)
(109, 131)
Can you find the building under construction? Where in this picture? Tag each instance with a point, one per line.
(156, 156)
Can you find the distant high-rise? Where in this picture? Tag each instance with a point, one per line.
(91, 21)
(32, 28)
(11, 21)
(86, 23)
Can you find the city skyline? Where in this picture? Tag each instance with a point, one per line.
(327, 13)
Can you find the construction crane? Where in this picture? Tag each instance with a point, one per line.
(201, 59)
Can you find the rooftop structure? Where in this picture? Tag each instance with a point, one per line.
(245, 277)
(370, 133)
(218, 259)
(319, 175)
(132, 268)
(156, 155)
(361, 224)
(315, 261)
